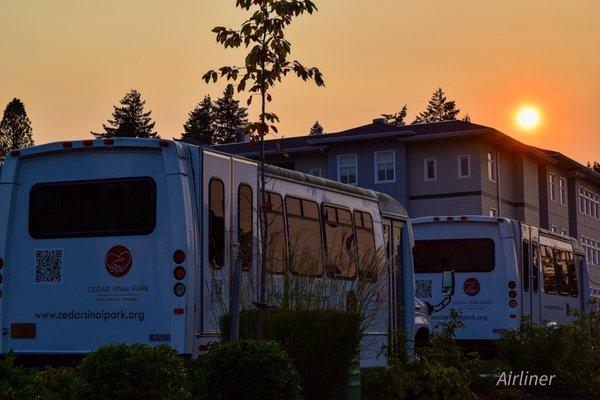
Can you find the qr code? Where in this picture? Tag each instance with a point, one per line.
(424, 288)
(48, 266)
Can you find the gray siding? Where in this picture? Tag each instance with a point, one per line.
(463, 205)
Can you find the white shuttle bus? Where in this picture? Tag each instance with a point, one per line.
(118, 240)
(505, 270)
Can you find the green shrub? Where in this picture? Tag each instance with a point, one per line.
(62, 383)
(133, 372)
(571, 352)
(322, 345)
(16, 383)
(249, 370)
(379, 383)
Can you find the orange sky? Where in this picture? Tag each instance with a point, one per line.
(71, 60)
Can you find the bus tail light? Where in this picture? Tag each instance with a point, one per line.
(178, 311)
(449, 218)
(15, 153)
(436, 219)
(88, 143)
(108, 141)
(512, 303)
(464, 218)
(67, 145)
(179, 289)
(179, 256)
(512, 294)
(179, 273)
(512, 284)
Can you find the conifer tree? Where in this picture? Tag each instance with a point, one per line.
(317, 129)
(398, 118)
(438, 109)
(200, 125)
(228, 117)
(15, 128)
(129, 119)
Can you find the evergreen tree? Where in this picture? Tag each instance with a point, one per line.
(466, 118)
(129, 120)
(317, 129)
(595, 166)
(200, 125)
(398, 118)
(15, 128)
(228, 118)
(438, 109)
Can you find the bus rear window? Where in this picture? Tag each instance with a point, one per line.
(108, 207)
(461, 255)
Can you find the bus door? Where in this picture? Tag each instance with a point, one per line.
(216, 240)
(525, 274)
(393, 231)
(535, 275)
(560, 295)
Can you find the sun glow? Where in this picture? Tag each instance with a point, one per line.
(528, 118)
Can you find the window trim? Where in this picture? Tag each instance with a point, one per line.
(339, 175)
(468, 157)
(425, 171)
(312, 170)
(492, 165)
(145, 232)
(376, 165)
(287, 232)
(268, 194)
(562, 191)
(357, 210)
(552, 195)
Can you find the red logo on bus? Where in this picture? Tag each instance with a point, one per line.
(118, 261)
(471, 286)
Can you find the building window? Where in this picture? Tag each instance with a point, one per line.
(464, 167)
(592, 251)
(552, 186)
(315, 172)
(430, 169)
(385, 166)
(347, 169)
(562, 190)
(493, 212)
(588, 203)
(492, 158)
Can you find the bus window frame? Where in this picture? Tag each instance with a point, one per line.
(252, 213)
(268, 195)
(356, 228)
(210, 223)
(335, 276)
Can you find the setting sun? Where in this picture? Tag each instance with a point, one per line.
(528, 118)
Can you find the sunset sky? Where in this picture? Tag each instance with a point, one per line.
(70, 61)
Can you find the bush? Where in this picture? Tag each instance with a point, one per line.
(133, 372)
(571, 352)
(379, 384)
(322, 345)
(247, 369)
(15, 382)
(59, 384)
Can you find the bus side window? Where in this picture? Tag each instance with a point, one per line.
(245, 225)
(535, 264)
(304, 236)
(572, 273)
(276, 237)
(525, 265)
(216, 223)
(562, 273)
(365, 240)
(340, 243)
(549, 269)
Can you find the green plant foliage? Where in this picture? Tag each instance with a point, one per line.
(63, 383)
(571, 352)
(321, 344)
(15, 382)
(133, 372)
(249, 370)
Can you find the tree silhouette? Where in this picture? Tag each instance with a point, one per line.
(594, 166)
(438, 109)
(129, 120)
(15, 128)
(317, 129)
(200, 124)
(228, 117)
(398, 118)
